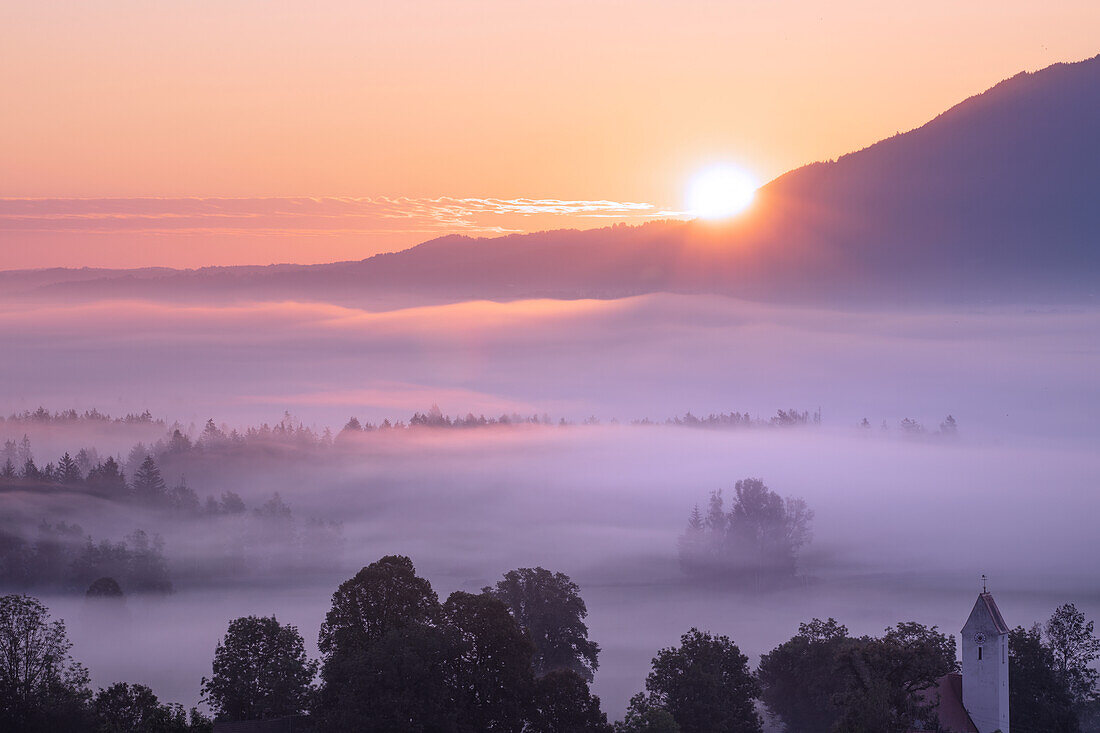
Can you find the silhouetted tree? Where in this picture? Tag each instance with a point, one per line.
(211, 434)
(104, 587)
(705, 684)
(148, 483)
(395, 659)
(30, 472)
(492, 669)
(385, 595)
(178, 443)
(386, 657)
(68, 473)
(564, 704)
(644, 716)
(108, 478)
(260, 671)
(887, 679)
(801, 679)
(125, 708)
(1074, 647)
(41, 687)
(1039, 697)
(549, 608)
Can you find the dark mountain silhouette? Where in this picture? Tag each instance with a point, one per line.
(997, 199)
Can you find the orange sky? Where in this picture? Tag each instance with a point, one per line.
(570, 100)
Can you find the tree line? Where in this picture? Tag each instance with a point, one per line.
(42, 415)
(516, 657)
(291, 431)
(62, 556)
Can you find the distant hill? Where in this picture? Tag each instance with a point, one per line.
(997, 199)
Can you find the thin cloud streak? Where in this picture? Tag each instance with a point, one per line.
(277, 216)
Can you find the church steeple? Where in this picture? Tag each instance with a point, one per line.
(985, 665)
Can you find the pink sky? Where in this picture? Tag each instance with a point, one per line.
(487, 99)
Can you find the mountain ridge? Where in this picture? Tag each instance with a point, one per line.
(992, 199)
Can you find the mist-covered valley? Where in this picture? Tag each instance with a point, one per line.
(589, 477)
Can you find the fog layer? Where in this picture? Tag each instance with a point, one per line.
(904, 525)
(653, 356)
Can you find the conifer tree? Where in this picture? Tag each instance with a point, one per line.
(30, 471)
(108, 478)
(25, 453)
(148, 483)
(68, 473)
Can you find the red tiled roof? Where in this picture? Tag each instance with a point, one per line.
(951, 713)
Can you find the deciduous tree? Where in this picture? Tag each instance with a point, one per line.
(386, 655)
(124, 708)
(887, 678)
(801, 680)
(564, 704)
(1074, 647)
(549, 608)
(41, 687)
(706, 685)
(260, 671)
(1039, 698)
(494, 683)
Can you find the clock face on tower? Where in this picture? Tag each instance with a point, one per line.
(979, 638)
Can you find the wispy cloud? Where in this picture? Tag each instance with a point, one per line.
(297, 215)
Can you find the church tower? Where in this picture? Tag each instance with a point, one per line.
(985, 666)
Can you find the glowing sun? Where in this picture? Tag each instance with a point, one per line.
(719, 192)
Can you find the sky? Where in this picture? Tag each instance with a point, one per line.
(255, 132)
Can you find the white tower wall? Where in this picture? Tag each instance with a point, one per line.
(985, 667)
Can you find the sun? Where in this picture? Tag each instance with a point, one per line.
(719, 192)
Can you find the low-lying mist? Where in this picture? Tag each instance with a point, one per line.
(904, 521)
(903, 527)
(653, 356)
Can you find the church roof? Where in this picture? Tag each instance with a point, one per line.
(991, 606)
(950, 713)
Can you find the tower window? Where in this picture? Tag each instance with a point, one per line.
(979, 654)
